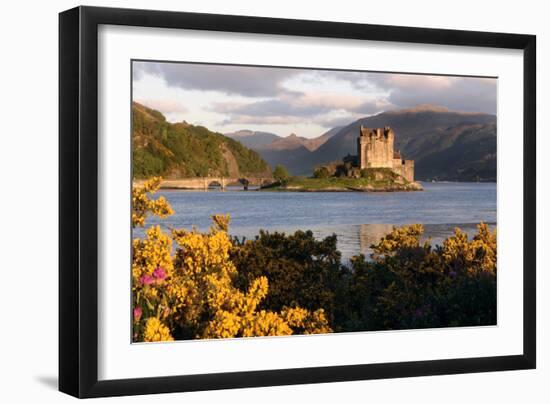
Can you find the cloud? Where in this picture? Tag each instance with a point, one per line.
(413, 82)
(262, 120)
(408, 90)
(313, 106)
(400, 90)
(370, 107)
(165, 106)
(241, 80)
(261, 108)
(462, 94)
(344, 120)
(326, 101)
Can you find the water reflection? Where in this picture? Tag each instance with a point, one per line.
(358, 239)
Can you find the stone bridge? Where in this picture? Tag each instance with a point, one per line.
(207, 182)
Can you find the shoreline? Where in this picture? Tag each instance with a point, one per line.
(168, 185)
(381, 183)
(348, 189)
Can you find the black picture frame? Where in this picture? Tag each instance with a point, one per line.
(78, 201)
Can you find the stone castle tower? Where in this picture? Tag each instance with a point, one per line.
(375, 150)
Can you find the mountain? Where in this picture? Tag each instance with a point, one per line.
(290, 158)
(293, 151)
(290, 142)
(459, 153)
(293, 141)
(253, 139)
(445, 144)
(270, 143)
(176, 150)
(317, 142)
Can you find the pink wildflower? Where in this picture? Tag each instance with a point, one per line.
(137, 313)
(159, 273)
(147, 279)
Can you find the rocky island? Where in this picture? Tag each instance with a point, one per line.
(374, 180)
(375, 168)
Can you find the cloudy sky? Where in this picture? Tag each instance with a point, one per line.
(302, 101)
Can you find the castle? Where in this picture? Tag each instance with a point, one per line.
(375, 150)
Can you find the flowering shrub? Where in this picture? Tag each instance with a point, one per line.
(142, 205)
(301, 270)
(189, 292)
(409, 284)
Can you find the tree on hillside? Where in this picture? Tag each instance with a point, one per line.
(321, 172)
(281, 174)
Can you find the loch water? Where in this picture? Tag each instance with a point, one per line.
(357, 218)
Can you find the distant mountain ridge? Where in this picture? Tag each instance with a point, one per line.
(253, 139)
(290, 142)
(179, 150)
(288, 151)
(294, 141)
(269, 141)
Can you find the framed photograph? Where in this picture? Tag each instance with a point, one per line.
(251, 201)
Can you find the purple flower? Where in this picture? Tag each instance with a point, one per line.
(147, 279)
(452, 274)
(159, 273)
(137, 313)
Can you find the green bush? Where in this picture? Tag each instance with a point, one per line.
(321, 172)
(301, 270)
(281, 175)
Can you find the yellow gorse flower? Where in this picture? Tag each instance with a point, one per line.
(155, 331)
(456, 252)
(143, 205)
(479, 254)
(196, 293)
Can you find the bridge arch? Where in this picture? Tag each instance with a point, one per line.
(214, 183)
(206, 182)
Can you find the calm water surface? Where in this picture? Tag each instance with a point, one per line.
(358, 219)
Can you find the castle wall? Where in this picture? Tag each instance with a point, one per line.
(375, 149)
(409, 170)
(404, 168)
(361, 157)
(379, 153)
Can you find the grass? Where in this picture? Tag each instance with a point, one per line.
(384, 180)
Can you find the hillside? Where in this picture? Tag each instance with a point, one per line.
(446, 145)
(462, 152)
(315, 143)
(177, 150)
